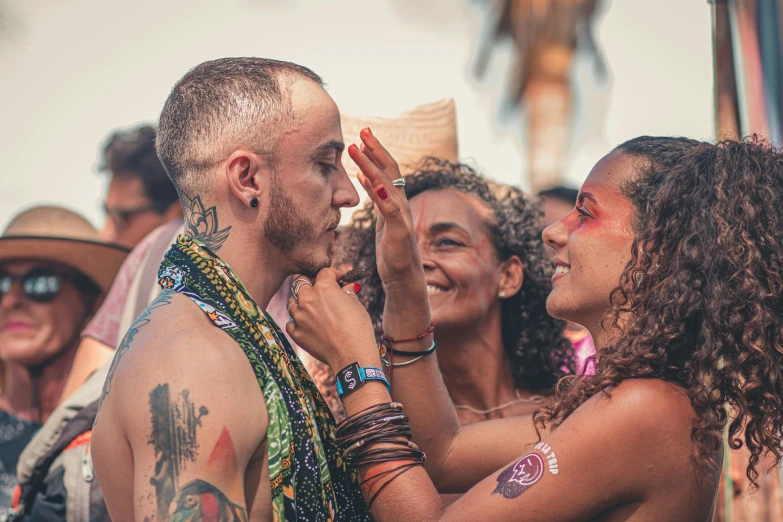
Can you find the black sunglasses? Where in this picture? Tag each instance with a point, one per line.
(40, 285)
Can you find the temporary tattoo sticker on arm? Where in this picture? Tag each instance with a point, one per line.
(520, 476)
(546, 449)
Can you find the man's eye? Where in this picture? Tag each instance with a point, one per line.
(448, 242)
(326, 168)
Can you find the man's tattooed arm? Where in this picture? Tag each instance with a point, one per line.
(202, 223)
(200, 500)
(162, 300)
(174, 436)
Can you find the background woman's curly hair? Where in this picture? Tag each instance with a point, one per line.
(533, 340)
(701, 298)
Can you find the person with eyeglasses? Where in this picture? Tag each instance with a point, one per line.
(54, 272)
(140, 196)
(141, 203)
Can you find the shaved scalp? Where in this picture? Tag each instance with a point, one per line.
(224, 104)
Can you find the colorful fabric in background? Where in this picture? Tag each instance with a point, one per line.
(309, 480)
(749, 68)
(584, 350)
(748, 47)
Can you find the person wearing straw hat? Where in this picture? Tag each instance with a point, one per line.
(54, 271)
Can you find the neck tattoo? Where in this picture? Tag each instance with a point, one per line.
(201, 223)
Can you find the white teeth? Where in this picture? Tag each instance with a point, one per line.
(434, 289)
(562, 270)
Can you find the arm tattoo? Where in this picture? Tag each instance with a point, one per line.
(173, 437)
(200, 500)
(202, 223)
(520, 476)
(162, 300)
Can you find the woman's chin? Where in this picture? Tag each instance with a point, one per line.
(453, 318)
(555, 307)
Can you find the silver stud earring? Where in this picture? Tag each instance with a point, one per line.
(502, 294)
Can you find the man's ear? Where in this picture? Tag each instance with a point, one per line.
(245, 172)
(512, 275)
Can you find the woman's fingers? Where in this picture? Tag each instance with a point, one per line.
(378, 152)
(374, 174)
(367, 152)
(382, 189)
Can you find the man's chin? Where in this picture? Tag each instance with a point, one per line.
(311, 267)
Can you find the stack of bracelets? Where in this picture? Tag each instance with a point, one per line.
(384, 424)
(388, 352)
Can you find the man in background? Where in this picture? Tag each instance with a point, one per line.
(141, 196)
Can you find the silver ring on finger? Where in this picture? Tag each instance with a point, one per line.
(399, 182)
(299, 283)
(350, 292)
(289, 308)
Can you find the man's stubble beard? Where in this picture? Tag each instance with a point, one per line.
(288, 228)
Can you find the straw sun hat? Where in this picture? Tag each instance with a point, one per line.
(58, 235)
(426, 130)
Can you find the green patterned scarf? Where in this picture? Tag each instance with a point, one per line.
(309, 480)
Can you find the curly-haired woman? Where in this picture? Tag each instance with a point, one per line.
(488, 277)
(673, 259)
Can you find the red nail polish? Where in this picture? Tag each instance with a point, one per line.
(357, 288)
(383, 193)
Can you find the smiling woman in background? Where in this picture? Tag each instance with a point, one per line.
(53, 274)
(488, 277)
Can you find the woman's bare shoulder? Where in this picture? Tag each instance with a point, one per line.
(642, 412)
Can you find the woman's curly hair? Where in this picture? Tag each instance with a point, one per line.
(700, 300)
(533, 340)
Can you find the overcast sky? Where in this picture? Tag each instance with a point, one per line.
(72, 70)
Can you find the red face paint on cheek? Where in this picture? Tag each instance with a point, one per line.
(419, 228)
(480, 259)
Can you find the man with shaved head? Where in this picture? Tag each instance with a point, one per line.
(205, 423)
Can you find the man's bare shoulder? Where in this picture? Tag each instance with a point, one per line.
(174, 341)
(181, 335)
(183, 407)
